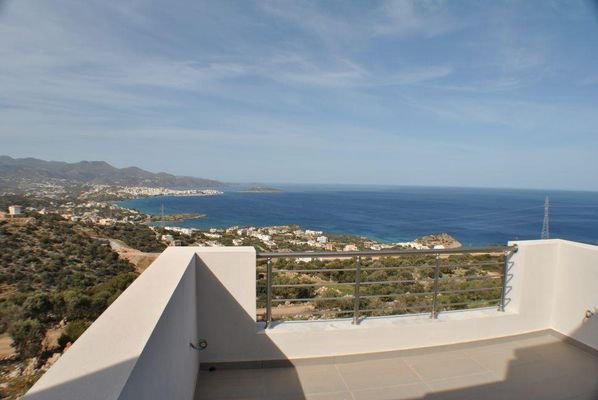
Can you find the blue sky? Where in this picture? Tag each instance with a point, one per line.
(457, 93)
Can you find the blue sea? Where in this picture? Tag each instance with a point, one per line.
(475, 217)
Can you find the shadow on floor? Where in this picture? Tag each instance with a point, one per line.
(546, 367)
(533, 366)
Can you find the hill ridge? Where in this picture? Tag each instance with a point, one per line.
(93, 172)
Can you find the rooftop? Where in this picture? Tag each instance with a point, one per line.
(188, 328)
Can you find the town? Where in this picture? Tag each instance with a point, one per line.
(129, 192)
(287, 238)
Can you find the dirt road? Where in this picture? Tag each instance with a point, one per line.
(138, 258)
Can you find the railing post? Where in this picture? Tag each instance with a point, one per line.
(505, 271)
(269, 293)
(435, 298)
(356, 292)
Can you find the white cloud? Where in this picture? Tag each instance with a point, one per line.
(409, 17)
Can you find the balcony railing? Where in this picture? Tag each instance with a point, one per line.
(326, 285)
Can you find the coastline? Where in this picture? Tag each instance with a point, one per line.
(303, 237)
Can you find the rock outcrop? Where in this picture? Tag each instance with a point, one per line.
(440, 240)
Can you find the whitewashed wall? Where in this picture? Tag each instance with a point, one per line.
(575, 291)
(139, 347)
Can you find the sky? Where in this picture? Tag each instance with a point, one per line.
(448, 93)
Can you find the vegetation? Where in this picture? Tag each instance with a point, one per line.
(49, 253)
(27, 336)
(50, 271)
(176, 217)
(138, 236)
(72, 331)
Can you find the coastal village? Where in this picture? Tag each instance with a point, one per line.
(287, 238)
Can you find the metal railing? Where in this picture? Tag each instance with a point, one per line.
(365, 291)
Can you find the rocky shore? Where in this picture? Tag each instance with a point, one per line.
(443, 240)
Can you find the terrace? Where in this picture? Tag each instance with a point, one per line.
(189, 327)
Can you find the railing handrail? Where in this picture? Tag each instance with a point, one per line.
(506, 250)
(382, 253)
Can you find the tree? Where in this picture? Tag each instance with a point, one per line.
(39, 306)
(72, 331)
(27, 336)
(78, 305)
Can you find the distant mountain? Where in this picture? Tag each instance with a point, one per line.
(13, 170)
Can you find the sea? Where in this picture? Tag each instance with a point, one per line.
(390, 214)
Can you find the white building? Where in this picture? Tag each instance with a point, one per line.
(263, 237)
(413, 245)
(184, 231)
(167, 238)
(15, 210)
(232, 229)
(322, 239)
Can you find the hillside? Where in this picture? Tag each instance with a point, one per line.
(15, 171)
(54, 281)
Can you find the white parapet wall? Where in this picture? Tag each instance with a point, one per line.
(576, 292)
(140, 346)
(227, 311)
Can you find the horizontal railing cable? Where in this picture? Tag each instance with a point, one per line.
(355, 286)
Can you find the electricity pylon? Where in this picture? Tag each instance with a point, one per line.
(545, 229)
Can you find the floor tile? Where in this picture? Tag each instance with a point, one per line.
(310, 379)
(377, 373)
(464, 382)
(430, 369)
(399, 392)
(230, 384)
(540, 367)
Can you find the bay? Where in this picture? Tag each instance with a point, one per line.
(475, 217)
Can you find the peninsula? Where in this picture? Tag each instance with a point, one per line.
(260, 189)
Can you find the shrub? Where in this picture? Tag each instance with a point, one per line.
(72, 331)
(27, 336)
(79, 306)
(39, 306)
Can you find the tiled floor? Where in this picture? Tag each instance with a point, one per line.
(538, 366)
